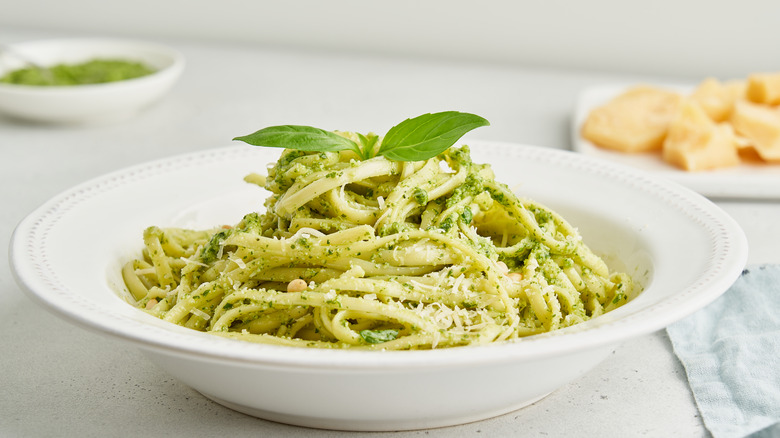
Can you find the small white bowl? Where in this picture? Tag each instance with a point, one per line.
(93, 102)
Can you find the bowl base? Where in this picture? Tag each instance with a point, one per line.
(377, 425)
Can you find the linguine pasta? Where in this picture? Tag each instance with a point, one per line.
(377, 254)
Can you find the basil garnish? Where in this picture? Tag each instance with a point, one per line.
(427, 135)
(302, 138)
(415, 139)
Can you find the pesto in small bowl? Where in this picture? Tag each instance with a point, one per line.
(95, 71)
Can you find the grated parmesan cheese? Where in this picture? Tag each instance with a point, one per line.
(200, 313)
(458, 282)
(445, 167)
(436, 339)
(240, 263)
(305, 232)
(191, 261)
(423, 285)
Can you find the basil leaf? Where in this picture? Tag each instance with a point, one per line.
(378, 336)
(303, 138)
(427, 135)
(415, 139)
(367, 143)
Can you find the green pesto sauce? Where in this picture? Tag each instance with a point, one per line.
(96, 71)
(420, 196)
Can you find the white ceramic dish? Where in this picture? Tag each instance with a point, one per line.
(683, 249)
(87, 103)
(748, 180)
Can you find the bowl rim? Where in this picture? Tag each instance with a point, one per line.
(598, 332)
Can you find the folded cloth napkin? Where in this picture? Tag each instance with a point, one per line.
(731, 353)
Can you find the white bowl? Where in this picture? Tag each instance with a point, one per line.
(679, 246)
(93, 102)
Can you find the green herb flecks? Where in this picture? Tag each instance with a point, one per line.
(378, 336)
(209, 252)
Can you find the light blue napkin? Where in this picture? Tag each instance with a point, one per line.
(731, 353)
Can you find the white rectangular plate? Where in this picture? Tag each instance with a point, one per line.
(745, 181)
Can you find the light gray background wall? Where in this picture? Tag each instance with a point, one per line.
(676, 38)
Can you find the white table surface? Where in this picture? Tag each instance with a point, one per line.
(60, 380)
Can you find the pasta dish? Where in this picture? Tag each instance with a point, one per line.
(375, 253)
